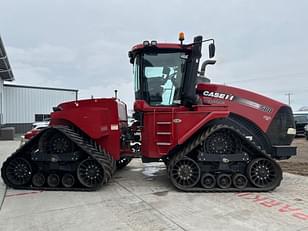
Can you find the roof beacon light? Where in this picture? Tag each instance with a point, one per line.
(181, 37)
(154, 43)
(146, 43)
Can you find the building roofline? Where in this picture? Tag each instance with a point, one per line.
(5, 67)
(42, 88)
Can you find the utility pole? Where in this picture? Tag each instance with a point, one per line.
(289, 97)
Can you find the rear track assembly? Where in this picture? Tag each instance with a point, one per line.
(58, 158)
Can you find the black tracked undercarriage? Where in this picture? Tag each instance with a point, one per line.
(58, 158)
(221, 159)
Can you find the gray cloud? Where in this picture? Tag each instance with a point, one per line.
(261, 45)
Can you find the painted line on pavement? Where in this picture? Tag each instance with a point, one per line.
(23, 194)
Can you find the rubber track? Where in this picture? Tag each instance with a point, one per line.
(196, 141)
(91, 148)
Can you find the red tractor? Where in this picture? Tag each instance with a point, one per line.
(211, 137)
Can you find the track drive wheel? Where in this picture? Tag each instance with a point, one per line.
(185, 173)
(123, 162)
(223, 141)
(264, 173)
(54, 142)
(90, 173)
(18, 172)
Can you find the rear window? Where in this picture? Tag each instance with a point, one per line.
(122, 111)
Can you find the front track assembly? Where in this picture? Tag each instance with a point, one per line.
(58, 158)
(221, 159)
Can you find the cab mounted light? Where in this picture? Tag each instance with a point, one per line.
(146, 43)
(154, 43)
(181, 37)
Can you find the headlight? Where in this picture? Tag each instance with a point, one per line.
(306, 127)
(291, 131)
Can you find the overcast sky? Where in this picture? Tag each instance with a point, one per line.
(260, 45)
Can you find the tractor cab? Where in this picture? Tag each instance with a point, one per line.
(166, 74)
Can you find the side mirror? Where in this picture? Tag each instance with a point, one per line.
(211, 50)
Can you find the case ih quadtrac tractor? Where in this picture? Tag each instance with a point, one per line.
(211, 137)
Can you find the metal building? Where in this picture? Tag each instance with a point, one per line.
(20, 105)
(24, 105)
(5, 74)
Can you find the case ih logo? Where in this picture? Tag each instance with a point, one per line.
(237, 99)
(218, 95)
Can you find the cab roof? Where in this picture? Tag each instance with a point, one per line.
(175, 46)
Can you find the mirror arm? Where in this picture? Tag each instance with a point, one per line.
(206, 40)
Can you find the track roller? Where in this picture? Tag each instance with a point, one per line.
(224, 181)
(38, 179)
(53, 180)
(239, 180)
(68, 180)
(208, 181)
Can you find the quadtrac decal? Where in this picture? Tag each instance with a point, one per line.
(237, 99)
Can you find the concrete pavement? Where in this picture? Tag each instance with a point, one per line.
(140, 197)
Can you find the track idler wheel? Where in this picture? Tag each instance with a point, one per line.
(240, 181)
(18, 172)
(264, 173)
(208, 181)
(53, 180)
(68, 180)
(185, 173)
(224, 181)
(38, 179)
(90, 173)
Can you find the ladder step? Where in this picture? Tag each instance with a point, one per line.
(163, 144)
(163, 133)
(163, 122)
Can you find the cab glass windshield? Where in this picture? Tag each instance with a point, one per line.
(162, 78)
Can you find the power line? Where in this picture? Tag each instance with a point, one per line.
(271, 76)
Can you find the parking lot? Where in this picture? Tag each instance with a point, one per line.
(299, 163)
(140, 198)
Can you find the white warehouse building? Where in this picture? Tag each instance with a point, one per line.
(24, 105)
(20, 105)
